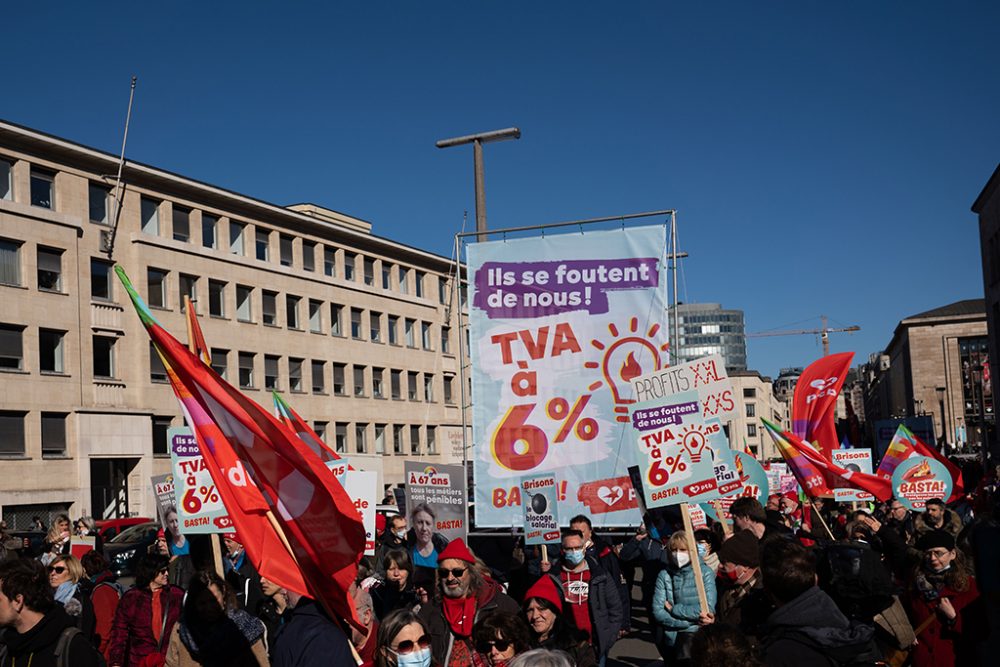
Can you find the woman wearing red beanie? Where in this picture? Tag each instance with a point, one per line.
(553, 629)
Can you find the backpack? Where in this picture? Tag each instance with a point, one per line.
(62, 648)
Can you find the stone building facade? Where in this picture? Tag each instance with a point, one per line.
(987, 207)
(755, 399)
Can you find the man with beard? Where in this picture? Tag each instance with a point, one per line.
(462, 595)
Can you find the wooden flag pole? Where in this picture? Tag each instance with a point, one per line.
(695, 560)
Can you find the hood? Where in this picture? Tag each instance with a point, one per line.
(815, 615)
(46, 633)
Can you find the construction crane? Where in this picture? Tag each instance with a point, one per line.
(824, 333)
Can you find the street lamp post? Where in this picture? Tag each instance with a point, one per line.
(477, 141)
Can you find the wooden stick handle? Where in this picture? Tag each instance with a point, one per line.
(695, 559)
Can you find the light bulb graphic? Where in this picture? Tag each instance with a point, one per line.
(624, 360)
(694, 441)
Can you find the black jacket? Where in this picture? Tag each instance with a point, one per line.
(310, 639)
(811, 631)
(606, 611)
(39, 643)
(489, 599)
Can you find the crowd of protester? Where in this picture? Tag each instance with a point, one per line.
(785, 583)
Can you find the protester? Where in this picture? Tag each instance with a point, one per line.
(742, 601)
(608, 559)
(498, 638)
(65, 575)
(272, 610)
(309, 638)
(33, 625)
(57, 541)
(720, 645)
(461, 596)
(403, 640)
(393, 538)
(807, 628)
(213, 631)
(676, 604)
(941, 597)
(145, 616)
(181, 567)
(105, 592)
(85, 526)
(240, 573)
(541, 657)
(708, 543)
(364, 642)
(748, 514)
(425, 545)
(936, 517)
(552, 627)
(397, 590)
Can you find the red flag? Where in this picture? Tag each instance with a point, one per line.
(809, 477)
(298, 425)
(196, 340)
(958, 484)
(305, 503)
(795, 450)
(815, 401)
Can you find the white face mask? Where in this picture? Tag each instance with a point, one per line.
(400, 534)
(680, 558)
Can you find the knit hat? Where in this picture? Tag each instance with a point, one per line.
(545, 589)
(741, 549)
(230, 536)
(457, 549)
(791, 495)
(160, 534)
(936, 539)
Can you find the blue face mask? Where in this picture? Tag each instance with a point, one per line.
(419, 658)
(702, 550)
(573, 557)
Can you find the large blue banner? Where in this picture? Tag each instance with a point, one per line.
(560, 325)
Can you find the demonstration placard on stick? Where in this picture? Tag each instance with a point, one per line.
(858, 460)
(200, 509)
(541, 511)
(436, 494)
(919, 479)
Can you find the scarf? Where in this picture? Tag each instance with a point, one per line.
(65, 592)
(460, 614)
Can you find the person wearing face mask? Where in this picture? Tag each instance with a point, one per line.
(609, 560)
(676, 607)
(742, 601)
(403, 640)
(393, 538)
(944, 604)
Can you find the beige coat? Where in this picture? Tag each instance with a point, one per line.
(179, 656)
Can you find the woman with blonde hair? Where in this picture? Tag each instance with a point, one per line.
(65, 574)
(676, 606)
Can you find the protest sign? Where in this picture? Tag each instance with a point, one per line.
(361, 487)
(339, 468)
(755, 485)
(559, 326)
(541, 509)
(858, 460)
(79, 546)
(918, 479)
(165, 494)
(435, 501)
(200, 510)
(699, 516)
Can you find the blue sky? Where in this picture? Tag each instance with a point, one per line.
(822, 156)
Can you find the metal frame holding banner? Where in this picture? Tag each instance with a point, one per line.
(559, 325)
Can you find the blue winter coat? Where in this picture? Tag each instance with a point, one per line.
(678, 588)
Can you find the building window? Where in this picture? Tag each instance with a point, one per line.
(161, 444)
(428, 387)
(442, 291)
(12, 433)
(43, 185)
(244, 303)
(220, 362)
(269, 307)
(386, 275)
(50, 269)
(319, 377)
(329, 261)
(11, 349)
(157, 371)
(271, 371)
(336, 328)
(53, 434)
(395, 384)
(6, 189)
(188, 287)
(749, 392)
(156, 288)
(411, 385)
(360, 438)
(425, 335)
(378, 390)
(97, 196)
(349, 262)
(414, 439)
(751, 430)
(369, 269)
(408, 333)
(404, 280)
(449, 396)
(246, 370)
(751, 410)
(432, 440)
(380, 438)
(295, 375)
(356, 324)
(319, 428)
(397, 440)
(359, 381)
(104, 357)
(418, 281)
(209, 231)
(339, 381)
(292, 311)
(149, 212)
(182, 224)
(446, 340)
(10, 263)
(340, 438)
(236, 230)
(285, 247)
(315, 316)
(308, 256)
(262, 245)
(393, 326)
(50, 351)
(216, 298)
(100, 280)
(375, 320)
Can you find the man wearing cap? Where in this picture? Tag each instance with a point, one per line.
(241, 574)
(743, 602)
(462, 595)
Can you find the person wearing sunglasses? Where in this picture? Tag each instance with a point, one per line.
(65, 574)
(463, 595)
(145, 616)
(403, 641)
(498, 638)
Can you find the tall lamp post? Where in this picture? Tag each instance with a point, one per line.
(477, 141)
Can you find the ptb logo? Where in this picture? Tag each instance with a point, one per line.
(823, 388)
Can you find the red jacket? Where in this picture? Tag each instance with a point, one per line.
(942, 644)
(132, 629)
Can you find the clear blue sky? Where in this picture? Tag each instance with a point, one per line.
(822, 156)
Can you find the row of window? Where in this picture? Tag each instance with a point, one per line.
(12, 433)
(312, 255)
(49, 272)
